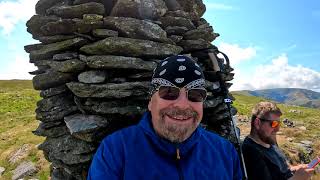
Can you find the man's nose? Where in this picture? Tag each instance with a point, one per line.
(182, 101)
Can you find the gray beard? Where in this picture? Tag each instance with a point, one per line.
(177, 133)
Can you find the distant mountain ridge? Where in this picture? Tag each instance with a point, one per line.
(291, 96)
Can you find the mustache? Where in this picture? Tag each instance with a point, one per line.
(179, 112)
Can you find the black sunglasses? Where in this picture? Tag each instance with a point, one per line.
(172, 93)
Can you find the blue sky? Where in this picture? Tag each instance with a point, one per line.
(270, 43)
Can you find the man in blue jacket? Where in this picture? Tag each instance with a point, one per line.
(168, 142)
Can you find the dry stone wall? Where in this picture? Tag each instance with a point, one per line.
(94, 64)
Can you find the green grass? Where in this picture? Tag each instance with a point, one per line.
(17, 118)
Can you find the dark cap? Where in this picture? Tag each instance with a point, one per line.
(180, 71)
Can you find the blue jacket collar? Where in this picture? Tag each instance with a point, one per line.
(165, 145)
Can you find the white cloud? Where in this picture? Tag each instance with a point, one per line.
(236, 53)
(278, 74)
(14, 12)
(217, 6)
(18, 69)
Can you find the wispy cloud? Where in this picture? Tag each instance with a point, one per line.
(278, 74)
(236, 53)
(14, 12)
(290, 47)
(217, 6)
(18, 68)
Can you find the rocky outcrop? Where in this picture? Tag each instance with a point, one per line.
(24, 169)
(95, 62)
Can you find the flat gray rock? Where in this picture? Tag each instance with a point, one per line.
(2, 169)
(51, 79)
(70, 27)
(47, 51)
(212, 102)
(65, 56)
(92, 77)
(36, 21)
(111, 90)
(118, 62)
(19, 154)
(55, 108)
(33, 47)
(24, 169)
(176, 21)
(136, 28)
(68, 149)
(178, 13)
(142, 9)
(176, 38)
(68, 66)
(200, 34)
(191, 45)
(43, 5)
(131, 47)
(85, 126)
(68, 144)
(53, 91)
(104, 33)
(196, 8)
(108, 5)
(176, 30)
(52, 132)
(48, 125)
(77, 11)
(77, 2)
(128, 107)
(55, 38)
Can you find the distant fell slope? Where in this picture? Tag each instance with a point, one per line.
(291, 96)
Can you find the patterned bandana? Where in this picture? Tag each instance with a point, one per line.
(180, 71)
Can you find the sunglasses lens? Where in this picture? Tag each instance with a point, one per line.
(169, 92)
(197, 95)
(275, 124)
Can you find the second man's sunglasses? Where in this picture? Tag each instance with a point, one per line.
(273, 123)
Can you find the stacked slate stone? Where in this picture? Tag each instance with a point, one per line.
(95, 62)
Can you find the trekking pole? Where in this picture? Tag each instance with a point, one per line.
(217, 68)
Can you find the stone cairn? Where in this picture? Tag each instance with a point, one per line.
(95, 62)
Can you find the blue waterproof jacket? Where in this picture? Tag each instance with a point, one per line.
(138, 153)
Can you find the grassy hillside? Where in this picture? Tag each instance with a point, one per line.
(17, 118)
(301, 116)
(292, 96)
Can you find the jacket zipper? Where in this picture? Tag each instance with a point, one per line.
(178, 164)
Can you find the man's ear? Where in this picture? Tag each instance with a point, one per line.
(256, 123)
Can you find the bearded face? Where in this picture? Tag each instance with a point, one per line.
(267, 137)
(175, 120)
